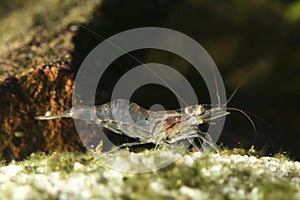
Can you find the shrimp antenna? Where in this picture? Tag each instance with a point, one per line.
(249, 118)
(231, 97)
(216, 82)
(133, 57)
(238, 87)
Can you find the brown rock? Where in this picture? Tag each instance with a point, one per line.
(35, 76)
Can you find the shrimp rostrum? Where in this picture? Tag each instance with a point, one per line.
(158, 127)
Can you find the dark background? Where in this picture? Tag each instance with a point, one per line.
(256, 43)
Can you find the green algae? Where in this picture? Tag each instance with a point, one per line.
(215, 176)
(62, 162)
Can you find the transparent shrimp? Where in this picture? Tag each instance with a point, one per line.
(158, 127)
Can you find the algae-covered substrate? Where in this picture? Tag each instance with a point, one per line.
(224, 175)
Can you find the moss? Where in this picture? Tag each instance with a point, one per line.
(278, 190)
(243, 151)
(215, 176)
(62, 162)
(282, 156)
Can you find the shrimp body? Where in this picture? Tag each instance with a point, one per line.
(159, 127)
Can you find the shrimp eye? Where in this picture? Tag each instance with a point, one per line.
(187, 110)
(194, 110)
(199, 110)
